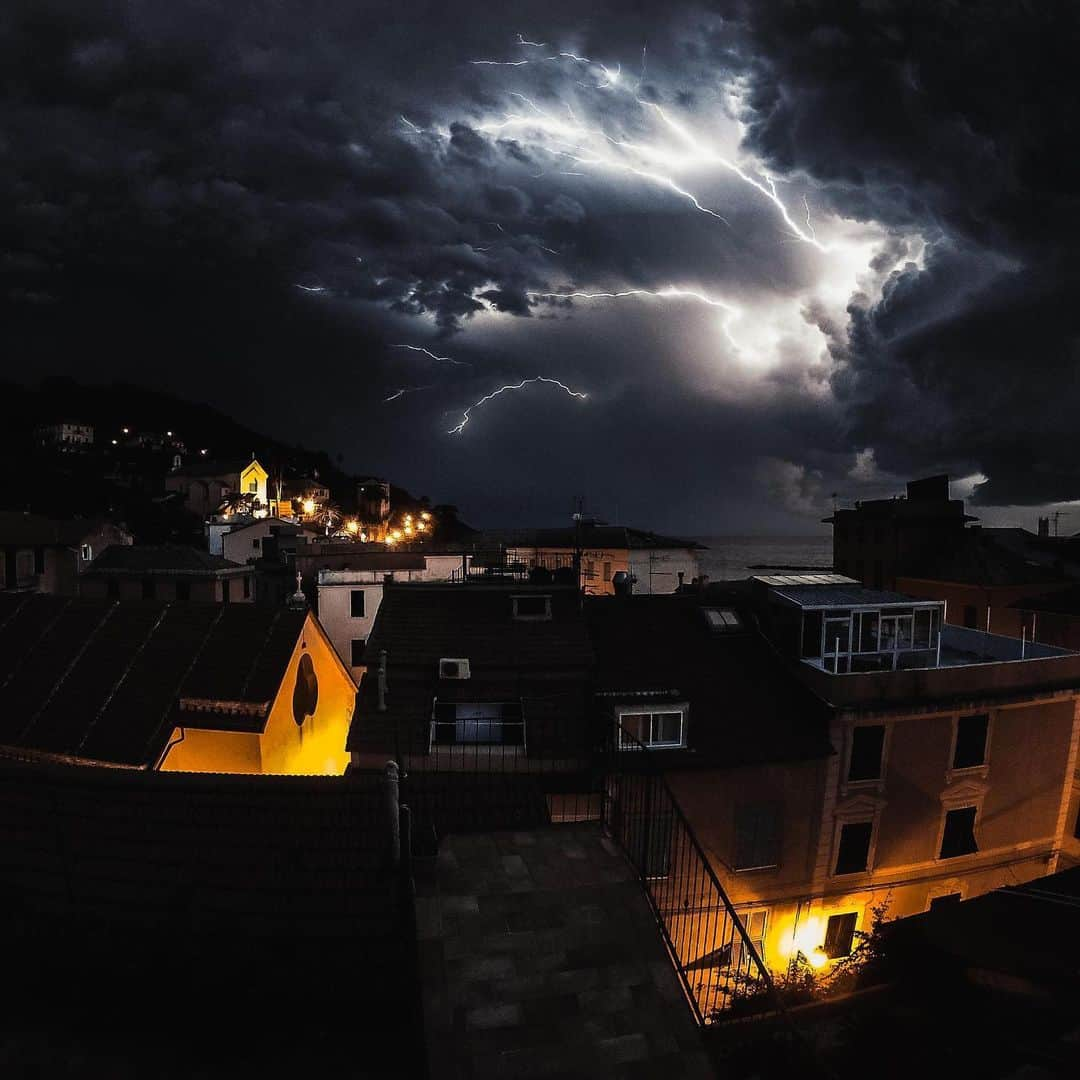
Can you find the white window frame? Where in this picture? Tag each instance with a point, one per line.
(873, 819)
(681, 708)
(87, 552)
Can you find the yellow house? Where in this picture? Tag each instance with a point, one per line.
(180, 687)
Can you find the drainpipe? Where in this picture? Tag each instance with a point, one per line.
(381, 707)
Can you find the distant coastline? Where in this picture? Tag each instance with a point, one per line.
(734, 557)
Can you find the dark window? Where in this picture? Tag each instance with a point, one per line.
(39, 560)
(970, 741)
(959, 835)
(970, 616)
(757, 836)
(854, 850)
(866, 746)
(183, 590)
(112, 589)
(247, 588)
(358, 647)
(149, 589)
(532, 607)
(479, 722)
(945, 901)
(356, 603)
(225, 591)
(839, 934)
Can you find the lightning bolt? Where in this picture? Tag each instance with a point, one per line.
(669, 292)
(532, 44)
(406, 390)
(310, 288)
(512, 386)
(428, 352)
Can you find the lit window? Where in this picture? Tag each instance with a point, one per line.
(866, 746)
(87, 552)
(970, 749)
(958, 836)
(757, 836)
(840, 934)
(253, 487)
(658, 730)
(754, 922)
(853, 851)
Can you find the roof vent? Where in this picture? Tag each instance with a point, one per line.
(453, 668)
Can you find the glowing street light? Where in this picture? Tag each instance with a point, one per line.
(309, 506)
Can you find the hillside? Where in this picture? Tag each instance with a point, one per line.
(125, 479)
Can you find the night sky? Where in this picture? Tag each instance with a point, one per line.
(864, 230)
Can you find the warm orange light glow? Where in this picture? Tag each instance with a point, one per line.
(309, 506)
(390, 541)
(806, 938)
(421, 526)
(353, 527)
(426, 516)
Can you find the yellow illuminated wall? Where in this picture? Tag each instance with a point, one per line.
(324, 702)
(318, 744)
(256, 474)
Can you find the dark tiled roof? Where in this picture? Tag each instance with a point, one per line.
(842, 596)
(358, 557)
(158, 559)
(103, 681)
(37, 531)
(745, 705)
(976, 559)
(544, 663)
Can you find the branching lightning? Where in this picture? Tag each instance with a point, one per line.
(465, 416)
(429, 353)
(670, 292)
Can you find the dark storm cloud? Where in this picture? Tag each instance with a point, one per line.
(958, 121)
(251, 202)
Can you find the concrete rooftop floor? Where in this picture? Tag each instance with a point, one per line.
(540, 957)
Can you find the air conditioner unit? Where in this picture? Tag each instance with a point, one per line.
(453, 668)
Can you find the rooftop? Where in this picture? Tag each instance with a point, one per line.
(159, 559)
(811, 591)
(35, 530)
(104, 681)
(540, 661)
(666, 648)
(976, 557)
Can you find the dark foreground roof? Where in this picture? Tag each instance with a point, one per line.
(158, 559)
(1029, 931)
(545, 664)
(104, 681)
(745, 705)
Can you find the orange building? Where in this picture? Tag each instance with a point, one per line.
(189, 687)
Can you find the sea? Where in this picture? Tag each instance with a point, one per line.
(733, 557)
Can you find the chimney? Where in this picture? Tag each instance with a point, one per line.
(381, 707)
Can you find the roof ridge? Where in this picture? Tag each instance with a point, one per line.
(123, 677)
(173, 698)
(41, 637)
(79, 653)
(258, 655)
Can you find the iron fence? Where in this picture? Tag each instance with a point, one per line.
(717, 954)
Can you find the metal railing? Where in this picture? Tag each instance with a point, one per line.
(718, 961)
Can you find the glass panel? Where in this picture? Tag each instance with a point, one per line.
(868, 633)
(836, 630)
(903, 632)
(635, 725)
(923, 623)
(667, 728)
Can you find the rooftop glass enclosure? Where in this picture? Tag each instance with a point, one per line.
(842, 627)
